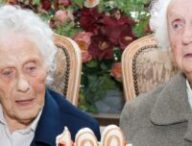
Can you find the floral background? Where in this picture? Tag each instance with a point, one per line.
(102, 29)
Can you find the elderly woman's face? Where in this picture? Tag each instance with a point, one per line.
(22, 79)
(180, 33)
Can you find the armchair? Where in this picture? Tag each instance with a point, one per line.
(68, 68)
(145, 66)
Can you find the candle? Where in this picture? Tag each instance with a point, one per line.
(64, 139)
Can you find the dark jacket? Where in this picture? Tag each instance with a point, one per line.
(160, 118)
(56, 114)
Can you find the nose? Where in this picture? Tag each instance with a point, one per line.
(22, 84)
(187, 36)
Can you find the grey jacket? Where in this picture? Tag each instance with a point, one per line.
(160, 118)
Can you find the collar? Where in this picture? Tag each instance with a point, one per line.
(2, 119)
(33, 125)
(189, 93)
(49, 124)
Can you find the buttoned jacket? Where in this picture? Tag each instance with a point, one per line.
(56, 114)
(162, 117)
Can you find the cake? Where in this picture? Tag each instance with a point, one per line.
(111, 136)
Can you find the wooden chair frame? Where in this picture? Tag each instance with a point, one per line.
(128, 71)
(74, 65)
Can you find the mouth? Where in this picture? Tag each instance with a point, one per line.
(188, 55)
(25, 102)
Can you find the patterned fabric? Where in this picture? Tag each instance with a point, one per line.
(152, 66)
(60, 76)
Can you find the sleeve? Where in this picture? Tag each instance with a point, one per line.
(96, 131)
(127, 121)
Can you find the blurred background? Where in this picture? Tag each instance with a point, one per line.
(102, 29)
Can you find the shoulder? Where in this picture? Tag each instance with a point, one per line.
(65, 107)
(136, 114)
(73, 117)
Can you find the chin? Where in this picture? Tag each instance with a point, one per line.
(28, 116)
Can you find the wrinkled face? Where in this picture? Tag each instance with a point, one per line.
(179, 17)
(22, 78)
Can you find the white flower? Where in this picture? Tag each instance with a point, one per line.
(91, 3)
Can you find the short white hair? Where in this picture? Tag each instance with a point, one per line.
(15, 19)
(158, 22)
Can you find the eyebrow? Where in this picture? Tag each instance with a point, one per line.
(174, 13)
(31, 61)
(11, 65)
(6, 67)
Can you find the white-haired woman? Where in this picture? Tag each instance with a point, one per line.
(163, 117)
(30, 113)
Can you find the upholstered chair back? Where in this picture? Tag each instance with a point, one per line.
(68, 68)
(145, 66)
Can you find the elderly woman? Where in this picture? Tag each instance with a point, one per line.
(30, 113)
(163, 117)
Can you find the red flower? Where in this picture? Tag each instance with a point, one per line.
(46, 4)
(108, 31)
(90, 19)
(101, 48)
(63, 15)
(118, 30)
(86, 56)
(125, 38)
(83, 39)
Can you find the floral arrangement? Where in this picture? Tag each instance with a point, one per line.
(102, 29)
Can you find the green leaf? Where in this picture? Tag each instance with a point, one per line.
(106, 65)
(117, 54)
(92, 64)
(45, 16)
(68, 29)
(2, 1)
(79, 3)
(141, 27)
(36, 2)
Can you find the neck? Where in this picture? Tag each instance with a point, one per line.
(16, 124)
